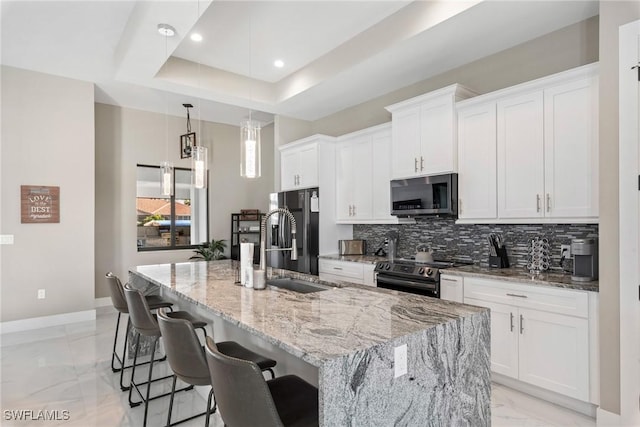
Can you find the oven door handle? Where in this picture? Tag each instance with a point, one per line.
(406, 283)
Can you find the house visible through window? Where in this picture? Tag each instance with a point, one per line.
(169, 222)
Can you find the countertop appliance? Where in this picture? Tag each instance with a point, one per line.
(585, 259)
(303, 204)
(352, 247)
(406, 275)
(428, 195)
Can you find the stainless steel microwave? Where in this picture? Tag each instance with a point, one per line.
(428, 195)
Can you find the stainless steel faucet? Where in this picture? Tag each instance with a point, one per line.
(261, 282)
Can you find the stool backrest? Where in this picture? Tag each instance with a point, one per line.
(139, 313)
(117, 293)
(184, 351)
(241, 392)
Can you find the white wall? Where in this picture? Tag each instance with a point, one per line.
(612, 15)
(127, 137)
(47, 139)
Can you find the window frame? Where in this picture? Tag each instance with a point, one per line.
(172, 199)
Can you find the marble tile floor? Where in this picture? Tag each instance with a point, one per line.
(66, 368)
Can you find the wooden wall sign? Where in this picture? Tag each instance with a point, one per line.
(39, 204)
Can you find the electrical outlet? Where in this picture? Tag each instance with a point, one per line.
(400, 360)
(41, 294)
(565, 250)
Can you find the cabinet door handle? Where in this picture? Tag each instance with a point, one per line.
(421, 163)
(349, 210)
(521, 324)
(337, 268)
(415, 164)
(446, 279)
(459, 205)
(548, 203)
(511, 321)
(516, 295)
(298, 179)
(537, 203)
(354, 210)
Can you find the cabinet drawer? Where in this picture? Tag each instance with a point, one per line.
(346, 270)
(553, 300)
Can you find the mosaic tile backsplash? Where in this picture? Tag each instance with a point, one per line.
(468, 242)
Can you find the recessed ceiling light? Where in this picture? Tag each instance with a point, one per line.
(166, 30)
(278, 63)
(196, 37)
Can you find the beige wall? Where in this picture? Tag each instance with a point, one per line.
(126, 137)
(561, 50)
(612, 15)
(47, 139)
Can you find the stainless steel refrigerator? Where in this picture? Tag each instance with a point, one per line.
(304, 206)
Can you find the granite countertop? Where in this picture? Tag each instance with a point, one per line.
(518, 274)
(315, 327)
(365, 259)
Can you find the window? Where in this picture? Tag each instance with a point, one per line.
(170, 222)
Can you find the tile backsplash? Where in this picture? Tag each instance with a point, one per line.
(468, 242)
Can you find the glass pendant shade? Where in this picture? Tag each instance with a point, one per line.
(166, 178)
(250, 149)
(199, 166)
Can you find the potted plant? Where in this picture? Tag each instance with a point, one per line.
(211, 251)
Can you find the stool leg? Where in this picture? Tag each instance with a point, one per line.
(124, 356)
(115, 340)
(149, 381)
(133, 373)
(210, 410)
(173, 392)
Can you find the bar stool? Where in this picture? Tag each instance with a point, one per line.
(187, 360)
(145, 323)
(246, 399)
(119, 302)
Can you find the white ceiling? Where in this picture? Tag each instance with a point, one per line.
(337, 53)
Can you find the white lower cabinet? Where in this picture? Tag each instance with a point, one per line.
(539, 335)
(346, 271)
(451, 288)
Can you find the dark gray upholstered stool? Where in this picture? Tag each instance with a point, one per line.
(186, 358)
(245, 399)
(145, 323)
(116, 291)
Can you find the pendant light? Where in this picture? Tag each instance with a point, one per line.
(250, 149)
(199, 166)
(250, 146)
(166, 167)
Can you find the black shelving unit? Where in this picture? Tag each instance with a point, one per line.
(245, 230)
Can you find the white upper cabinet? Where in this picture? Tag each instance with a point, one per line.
(299, 165)
(477, 161)
(424, 132)
(362, 176)
(571, 149)
(530, 152)
(520, 156)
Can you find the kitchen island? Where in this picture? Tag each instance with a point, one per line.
(349, 334)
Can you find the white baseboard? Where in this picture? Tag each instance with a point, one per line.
(46, 321)
(606, 418)
(102, 302)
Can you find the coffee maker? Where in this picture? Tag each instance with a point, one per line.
(585, 259)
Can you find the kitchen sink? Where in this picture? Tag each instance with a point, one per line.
(297, 285)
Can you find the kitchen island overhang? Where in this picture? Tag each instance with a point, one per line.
(350, 334)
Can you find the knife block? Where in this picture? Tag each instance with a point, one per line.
(501, 260)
